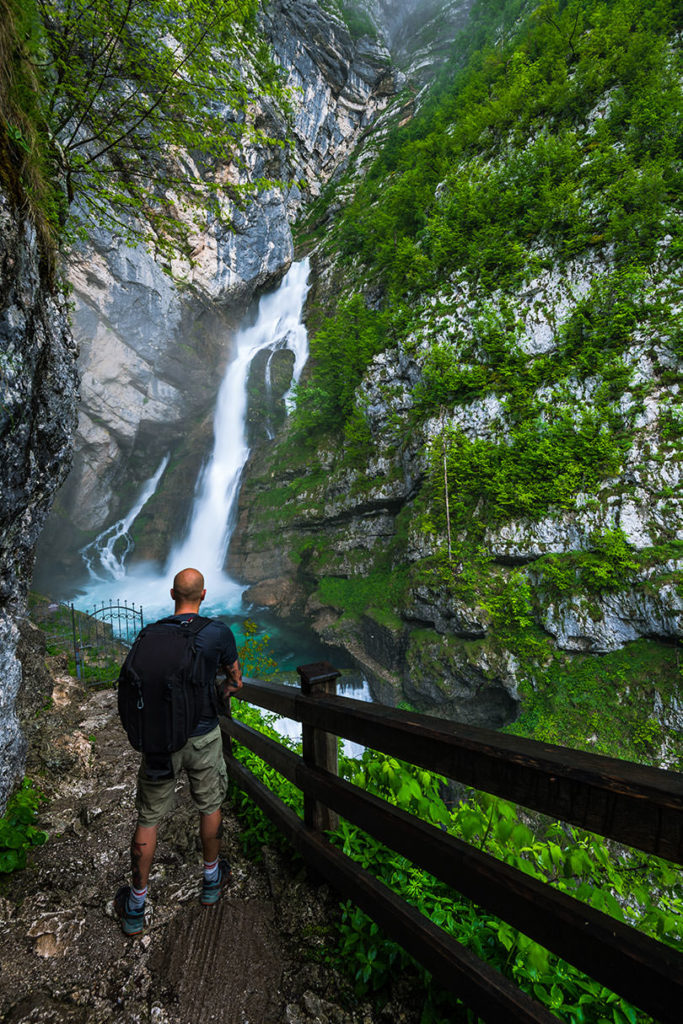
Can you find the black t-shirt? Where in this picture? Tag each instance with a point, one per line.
(216, 647)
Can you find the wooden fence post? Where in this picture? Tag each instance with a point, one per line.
(319, 748)
(78, 659)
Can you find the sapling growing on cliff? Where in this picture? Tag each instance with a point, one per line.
(150, 106)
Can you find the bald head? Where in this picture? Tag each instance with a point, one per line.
(188, 590)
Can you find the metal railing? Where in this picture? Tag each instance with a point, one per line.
(95, 641)
(636, 805)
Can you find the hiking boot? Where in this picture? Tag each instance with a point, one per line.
(211, 891)
(132, 921)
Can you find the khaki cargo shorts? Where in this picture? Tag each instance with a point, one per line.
(202, 759)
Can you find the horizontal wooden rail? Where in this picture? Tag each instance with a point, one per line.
(635, 966)
(636, 805)
(472, 981)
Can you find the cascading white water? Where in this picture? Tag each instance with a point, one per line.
(278, 325)
(105, 553)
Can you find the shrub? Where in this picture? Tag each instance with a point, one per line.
(18, 831)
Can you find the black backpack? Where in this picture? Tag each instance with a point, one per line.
(159, 697)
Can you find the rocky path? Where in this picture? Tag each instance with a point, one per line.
(253, 959)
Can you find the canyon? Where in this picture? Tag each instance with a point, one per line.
(315, 531)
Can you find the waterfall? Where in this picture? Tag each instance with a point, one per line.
(112, 546)
(278, 324)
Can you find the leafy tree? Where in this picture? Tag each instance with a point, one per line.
(25, 166)
(149, 107)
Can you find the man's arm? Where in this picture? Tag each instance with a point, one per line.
(233, 677)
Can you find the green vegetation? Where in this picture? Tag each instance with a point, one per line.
(357, 20)
(633, 888)
(116, 110)
(18, 830)
(138, 105)
(381, 590)
(515, 167)
(515, 250)
(257, 829)
(340, 352)
(520, 158)
(254, 652)
(26, 151)
(76, 634)
(566, 703)
(609, 564)
(544, 466)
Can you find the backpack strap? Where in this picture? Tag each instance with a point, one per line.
(193, 626)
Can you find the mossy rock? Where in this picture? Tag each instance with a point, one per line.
(165, 516)
(465, 681)
(624, 704)
(384, 637)
(270, 376)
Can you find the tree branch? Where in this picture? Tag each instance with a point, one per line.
(96, 91)
(146, 114)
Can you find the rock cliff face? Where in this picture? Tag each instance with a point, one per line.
(152, 355)
(38, 382)
(360, 553)
(340, 522)
(420, 35)
(152, 349)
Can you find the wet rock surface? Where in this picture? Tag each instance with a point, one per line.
(38, 394)
(257, 956)
(154, 345)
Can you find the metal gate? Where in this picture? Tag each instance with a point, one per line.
(95, 641)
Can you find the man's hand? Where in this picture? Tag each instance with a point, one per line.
(233, 678)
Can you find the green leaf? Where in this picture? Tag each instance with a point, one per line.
(521, 836)
(12, 860)
(469, 825)
(556, 997)
(537, 957)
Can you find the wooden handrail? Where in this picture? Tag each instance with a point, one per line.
(637, 805)
(472, 981)
(634, 804)
(632, 964)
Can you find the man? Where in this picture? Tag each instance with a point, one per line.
(201, 757)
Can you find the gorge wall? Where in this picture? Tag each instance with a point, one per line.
(39, 388)
(154, 344)
(489, 515)
(479, 498)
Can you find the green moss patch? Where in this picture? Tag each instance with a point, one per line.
(610, 705)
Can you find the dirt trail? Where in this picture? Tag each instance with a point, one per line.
(250, 960)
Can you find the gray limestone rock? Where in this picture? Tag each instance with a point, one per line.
(606, 622)
(467, 683)
(154, 344)
(270, 376)
(37, 418)
(12, 742)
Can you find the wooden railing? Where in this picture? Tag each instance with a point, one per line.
(638, 806)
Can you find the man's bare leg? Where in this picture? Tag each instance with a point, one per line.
(142, 854)
(210, 833)
(129, 902)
